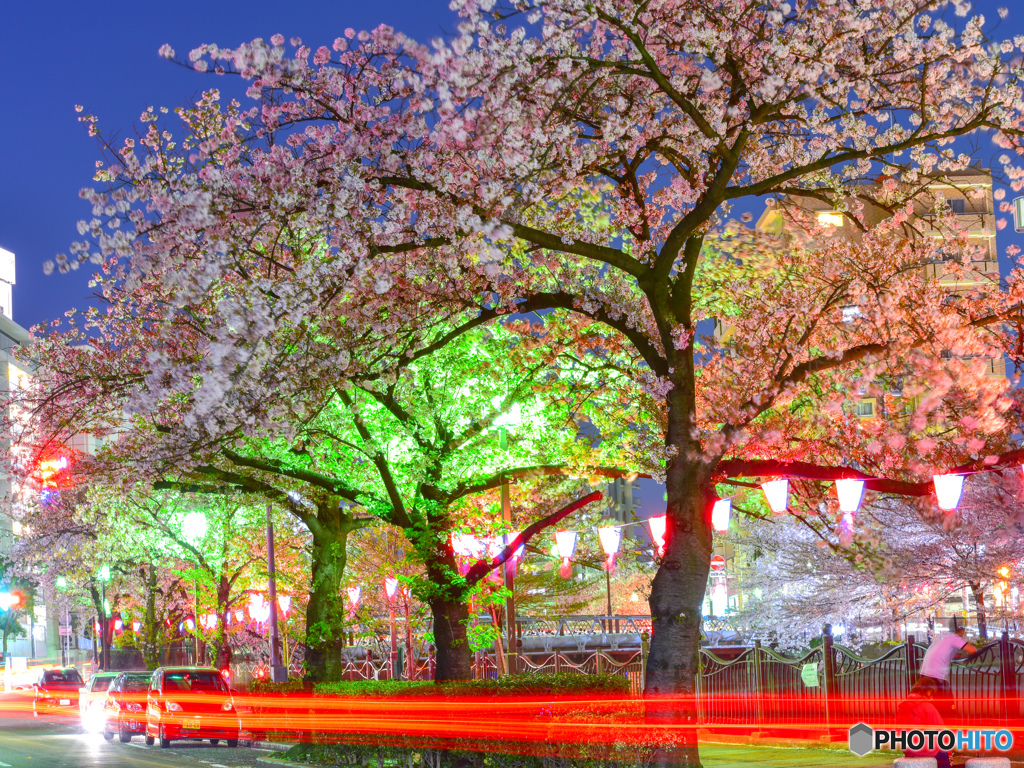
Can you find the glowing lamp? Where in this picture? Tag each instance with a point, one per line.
(118, 625)
(565, 543)
(96, 626)
(849, 491)
(190, 623)
(611, 538)
(259, 609)
(948, 489)
(777, 493)
(354, 593)
(658, 526)
(239, 615)
(136, 626)
(1004, 571)
(284, 602)
(720, 514)
(391, 586)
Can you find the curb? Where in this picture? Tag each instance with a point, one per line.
(270, 746)
(274, 761)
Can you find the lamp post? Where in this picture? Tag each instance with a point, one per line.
(390, 587)
(278, 673)
(194, 529)
(104, 577)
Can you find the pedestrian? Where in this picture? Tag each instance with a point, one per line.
(938, 657)
(918, 711)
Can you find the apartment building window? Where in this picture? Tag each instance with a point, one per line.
(957, 205)
(865, 408)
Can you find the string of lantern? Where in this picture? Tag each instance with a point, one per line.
(468, 548)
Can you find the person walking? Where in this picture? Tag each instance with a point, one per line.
(937, 659)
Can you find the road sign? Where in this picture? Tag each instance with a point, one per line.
(65, 630)
(717, 563)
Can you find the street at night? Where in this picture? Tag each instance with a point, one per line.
(512, 384)
(30, 742)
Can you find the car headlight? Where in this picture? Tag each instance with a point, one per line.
(226, 706)
(173, 706)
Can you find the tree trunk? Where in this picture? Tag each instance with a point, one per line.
(325, 614)
(979, 599)
(448, 606)
(451, 618)
(222, 650)
(677, 594)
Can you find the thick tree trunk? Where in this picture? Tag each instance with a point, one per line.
(222, 650)
(450, 612)
(325, 613)
(453, 659)
(677, 596)
(979, 599)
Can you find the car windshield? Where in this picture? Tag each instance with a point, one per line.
(61, 676)
(101, 683)
(131, 684)
(194, 681)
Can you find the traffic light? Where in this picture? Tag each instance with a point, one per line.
(51, 477)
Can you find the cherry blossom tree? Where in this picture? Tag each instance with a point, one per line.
(901, 559)
(585, 157)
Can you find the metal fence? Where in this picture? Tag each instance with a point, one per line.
(831, 685)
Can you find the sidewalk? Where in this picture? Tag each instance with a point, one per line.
(718, 755)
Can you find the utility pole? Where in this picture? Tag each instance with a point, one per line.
(278, 674)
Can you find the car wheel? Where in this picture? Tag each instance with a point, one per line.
(124, 736)
(214, 742)
(108, 735)
(164, 743)
(149, 741)
(231, 743)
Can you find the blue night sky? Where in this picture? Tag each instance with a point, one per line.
(104, 56)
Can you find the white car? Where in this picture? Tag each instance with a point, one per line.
(90, 700)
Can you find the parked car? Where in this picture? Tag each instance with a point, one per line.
(56, 691)
(124, 708)
(90, 700)
(190, 703)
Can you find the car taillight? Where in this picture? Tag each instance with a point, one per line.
(173, 706)
(226, 706)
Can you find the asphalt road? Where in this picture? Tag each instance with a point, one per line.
(28, 742)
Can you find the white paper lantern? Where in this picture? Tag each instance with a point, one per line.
(777, 493)
(849, 491)
(611, 539)
(948, 489)
(720, 514)
(658, 526)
